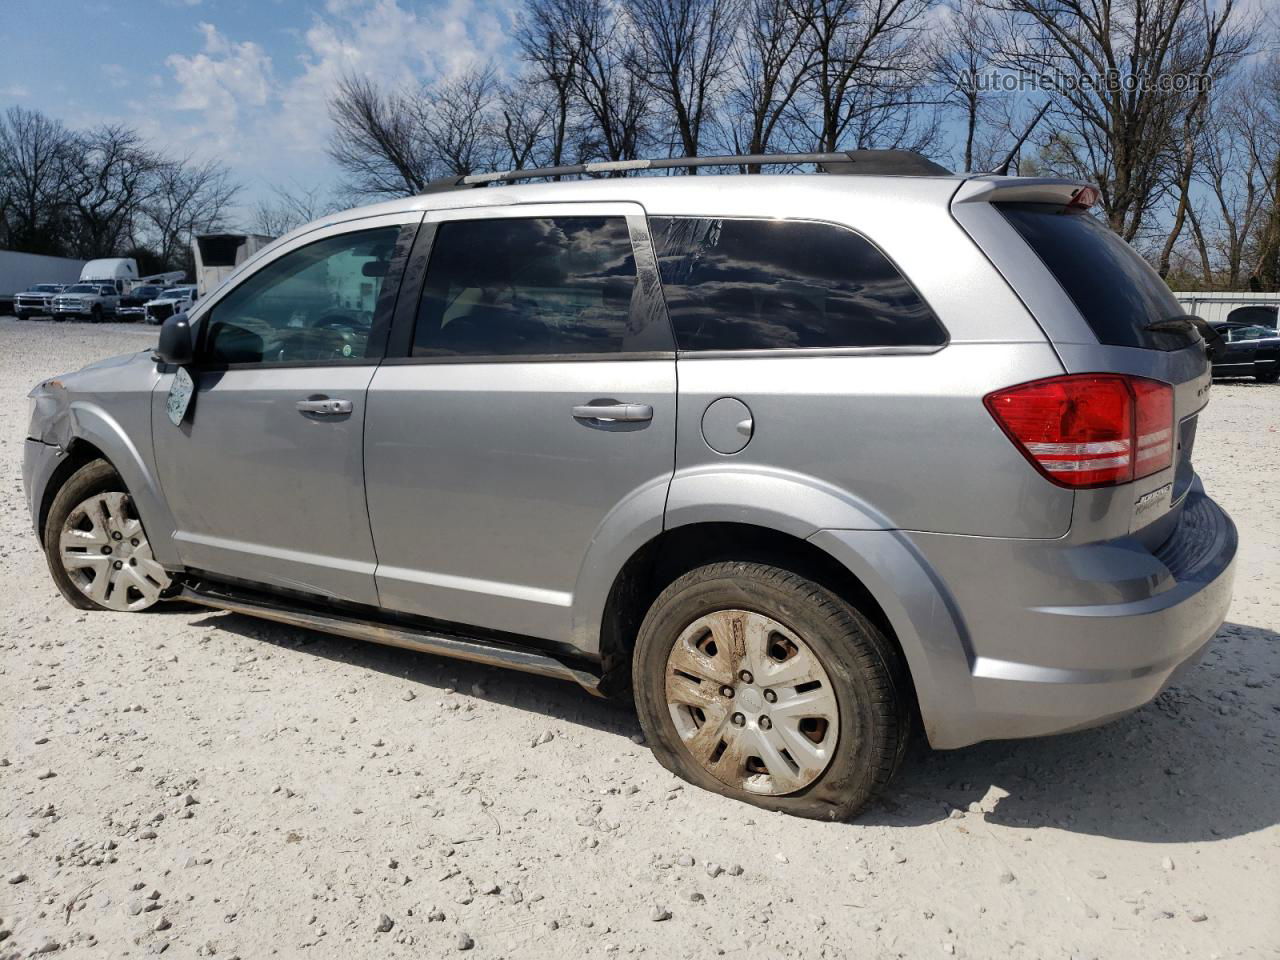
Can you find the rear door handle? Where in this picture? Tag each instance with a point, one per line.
(625, 412)
(324, 406)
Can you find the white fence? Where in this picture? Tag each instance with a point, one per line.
(1216, 307)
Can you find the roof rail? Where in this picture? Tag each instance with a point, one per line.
(887, 162)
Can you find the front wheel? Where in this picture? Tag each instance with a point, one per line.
(1272, 376)
(97, 550)
(759, 684)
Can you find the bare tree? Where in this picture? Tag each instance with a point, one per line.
(291, 207)
(525, 119)
(614, 99)
(187, 198)
(548, 43)
(378, 140)
(33, 171)
(681, 55)
(111, 175)
(770, 63)
(457, 122)
(959, 58)
(1263, 129)
(1122, 73)
(868, 75)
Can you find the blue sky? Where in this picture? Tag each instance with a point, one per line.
(244, 81)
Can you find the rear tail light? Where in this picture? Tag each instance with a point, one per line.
(1089, 429)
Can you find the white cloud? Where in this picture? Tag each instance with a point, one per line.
(392, 45)
(15, 90)
(266, 116)
(220, 81)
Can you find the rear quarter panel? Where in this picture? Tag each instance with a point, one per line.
(876, 439)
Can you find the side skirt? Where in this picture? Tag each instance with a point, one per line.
(492, 653)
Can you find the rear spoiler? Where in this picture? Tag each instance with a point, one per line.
(993, 189)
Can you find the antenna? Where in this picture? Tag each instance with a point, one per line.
(1003, 169)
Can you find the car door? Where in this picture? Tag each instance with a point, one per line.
(265, 475)
(525, 410)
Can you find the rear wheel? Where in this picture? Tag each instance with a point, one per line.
(97, 550)
(756, 683)
(1271, 377)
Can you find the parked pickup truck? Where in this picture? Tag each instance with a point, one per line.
(168, 302)
(36, 300)
(90, 301)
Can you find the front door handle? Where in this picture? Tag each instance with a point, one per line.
(624, 412)
(324, 406)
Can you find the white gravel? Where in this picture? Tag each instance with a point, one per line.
(224, 785)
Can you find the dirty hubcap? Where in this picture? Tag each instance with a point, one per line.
(751, 702)
(105, 553)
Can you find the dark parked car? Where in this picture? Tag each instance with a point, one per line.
(132, 304)
(1248, 350)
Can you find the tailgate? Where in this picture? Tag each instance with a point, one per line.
(1096, 299)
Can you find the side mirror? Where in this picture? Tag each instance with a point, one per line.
(175, 345)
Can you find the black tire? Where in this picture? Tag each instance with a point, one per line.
(95, 314)
(95, 477)
(866, 671)
(1272, 377)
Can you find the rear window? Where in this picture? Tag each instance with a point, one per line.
(779, 284)
(1115, 290)
(1265, 316)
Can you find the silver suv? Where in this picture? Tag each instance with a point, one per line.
(801, 461)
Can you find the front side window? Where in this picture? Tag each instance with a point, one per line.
(525, 287)
(316, 304)
(784, 284)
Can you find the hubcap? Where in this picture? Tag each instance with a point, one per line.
(751, 702)
(106, 554)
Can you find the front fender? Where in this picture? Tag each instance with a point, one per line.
(92, 424)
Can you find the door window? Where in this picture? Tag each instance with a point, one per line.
(772, 284)
(317, 304)
(530, 286)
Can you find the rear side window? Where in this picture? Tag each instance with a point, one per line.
(784, 284)
(1115, 290)
(529, 286)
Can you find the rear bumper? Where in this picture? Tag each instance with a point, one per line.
(1045, 637)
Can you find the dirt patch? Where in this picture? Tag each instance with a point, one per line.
(206, 784)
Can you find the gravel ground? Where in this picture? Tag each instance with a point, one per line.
(208, 784)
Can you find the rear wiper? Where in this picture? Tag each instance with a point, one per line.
(1187, 321)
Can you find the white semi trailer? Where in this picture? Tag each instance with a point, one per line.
(22, 271)
(218, 254)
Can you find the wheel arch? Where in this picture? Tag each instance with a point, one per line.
(93, 434)
(677, 550)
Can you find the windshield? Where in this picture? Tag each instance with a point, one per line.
(82, 288)
(177, 293)
(1115, 290)
(1249, 333)
(45, 288)
(145, 291)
